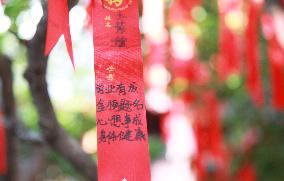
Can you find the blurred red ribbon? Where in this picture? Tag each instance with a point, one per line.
(253, 61)
(247, 172)
(181, 10)
(3, 163)
(212, 161)
(121, 114)
(276, 60)
(229, 55)
(57, 25)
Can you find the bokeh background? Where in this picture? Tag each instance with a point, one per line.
(213, 97)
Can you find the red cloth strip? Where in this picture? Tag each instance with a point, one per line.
(212, 160)
(228, 62)
(3, 157)
(276, 60)
(253, 62)
(247, 172)
(57, 25)
(121, 115)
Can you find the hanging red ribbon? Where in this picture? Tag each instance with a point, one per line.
(57, 25)
(253, 72)
(90, 12)
(181, 10)
(276, 60)
(212, 159)
(3, 164)
(229, 55)
(121, 117)
(247, 173)
(229, 62)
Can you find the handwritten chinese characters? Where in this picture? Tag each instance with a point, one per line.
(127, 135)
(125, 119)
(125, 132)
(120, 89)
(121, 105)
(120, 39)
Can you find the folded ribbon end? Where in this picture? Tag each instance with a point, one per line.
(68, 43)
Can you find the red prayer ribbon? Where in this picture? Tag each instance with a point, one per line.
(57, 25)
(229, 56)
(276, 60)
(229, 62)
(121, 116)
(254, 82)
(212, 161)
(247, 173)
(181, 9)
(3, 163)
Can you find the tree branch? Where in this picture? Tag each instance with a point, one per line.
(9, 110)
(15, 129)
(53, 134)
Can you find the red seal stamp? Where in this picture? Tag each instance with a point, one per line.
(116, 5)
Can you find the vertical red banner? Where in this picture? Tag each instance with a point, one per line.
(276, 59)
(229, 62)
(253, 62)
(229, 40)
(123, 153)
(3, 164)
(211, 150)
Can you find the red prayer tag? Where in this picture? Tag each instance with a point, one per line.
(3, 163)
(121, 115)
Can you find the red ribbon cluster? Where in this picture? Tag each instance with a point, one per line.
(231, 51)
